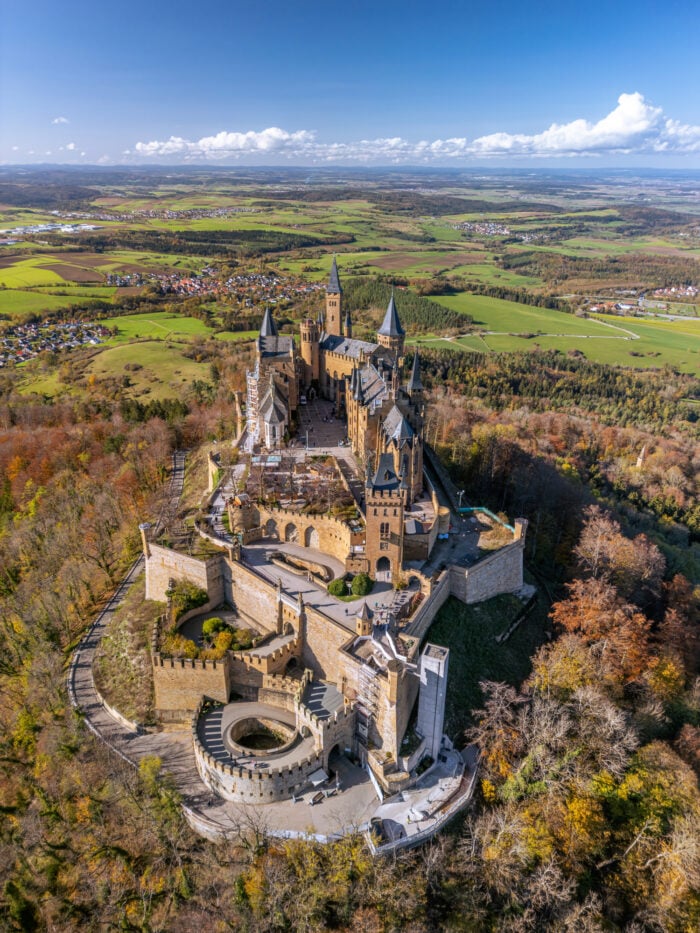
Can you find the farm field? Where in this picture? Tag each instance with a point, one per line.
(20, 304)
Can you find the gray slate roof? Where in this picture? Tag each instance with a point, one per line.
(268, 328)
(347, 346)
(384, 476)
(391, 325)
(397, 427)
(414, 383)
(272, 407)
(275, 346)
(334, 286)
(371, 384)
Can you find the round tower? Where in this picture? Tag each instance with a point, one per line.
(309, 338)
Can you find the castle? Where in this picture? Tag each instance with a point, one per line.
(334, 680)
(383, 413)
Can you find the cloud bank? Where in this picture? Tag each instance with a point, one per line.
(633, 126)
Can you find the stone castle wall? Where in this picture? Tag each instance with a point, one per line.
(322, 641)
(180, 683)
(250, 595)
(164, 564)
(431, 605)
(501, 572)
(233, 782)
(334, 535)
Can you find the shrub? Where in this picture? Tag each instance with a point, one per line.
(175, 645)
(222, 643)
(186, 596)
(242, 638)
(211, 626)
(338, 587)
(361, 584)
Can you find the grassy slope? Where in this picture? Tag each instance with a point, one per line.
(469, 632)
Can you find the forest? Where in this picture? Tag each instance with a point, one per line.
(587, 816)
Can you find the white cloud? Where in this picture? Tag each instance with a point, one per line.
(70, 147)
(633, 126)
(226, 144)
(57, 120)
(15, 148)
(630, 126)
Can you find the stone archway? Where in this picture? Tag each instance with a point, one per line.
(271, 529)
(291, 533)
(311, 538)
(383, 573)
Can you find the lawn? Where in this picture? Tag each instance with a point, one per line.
(469, 632)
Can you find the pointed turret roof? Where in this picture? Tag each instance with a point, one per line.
(348, 322)
(414, 383)
(391, 325)
(268, 328)
(397, 428)
(334, 280)
(365, 613)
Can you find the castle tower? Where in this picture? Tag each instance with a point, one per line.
(348, 324)
(391, 334)
(384, 505)
(431, 700)
(310, 354)
(334, 294)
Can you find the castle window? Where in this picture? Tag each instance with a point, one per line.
(383, 545)
(386, 513)
(384, 530)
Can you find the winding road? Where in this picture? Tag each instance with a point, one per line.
(208, 814)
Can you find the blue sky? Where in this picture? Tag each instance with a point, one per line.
(383, 82)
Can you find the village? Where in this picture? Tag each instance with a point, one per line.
(23, 342)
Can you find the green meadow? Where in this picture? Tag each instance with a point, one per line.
(163, 325)
(164, 371)
(20, 304)
(503, 326)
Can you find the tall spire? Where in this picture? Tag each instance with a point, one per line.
(268, 328)
(348, 324)
(391, 325)
(414, 383)
(334, 281)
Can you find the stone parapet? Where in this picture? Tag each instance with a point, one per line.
(247, 784)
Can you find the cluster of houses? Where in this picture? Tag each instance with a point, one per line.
(47, 228)
(676, 292)
(249, 289)
(22, 342)
(492, 228)
(196, 213)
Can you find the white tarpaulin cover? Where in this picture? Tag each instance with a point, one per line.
(318, 777)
